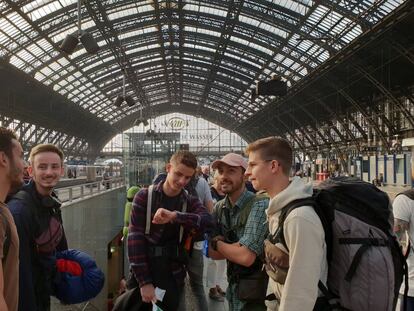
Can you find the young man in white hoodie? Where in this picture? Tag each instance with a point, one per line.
(270, 161)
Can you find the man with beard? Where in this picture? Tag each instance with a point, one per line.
(241, 218)
(36, 212)
(11, 178)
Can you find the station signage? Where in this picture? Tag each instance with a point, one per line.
(176, 123)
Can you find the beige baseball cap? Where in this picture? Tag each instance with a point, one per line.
(231, 159)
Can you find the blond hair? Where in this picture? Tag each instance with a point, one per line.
(273, 148)
(45, 148)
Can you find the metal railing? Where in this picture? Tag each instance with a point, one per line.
(77, 192)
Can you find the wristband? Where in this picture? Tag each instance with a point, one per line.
(213, 242)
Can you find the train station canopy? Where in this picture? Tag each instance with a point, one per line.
(195, 57)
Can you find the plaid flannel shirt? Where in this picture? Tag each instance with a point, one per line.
(252, 235)
(197, 217)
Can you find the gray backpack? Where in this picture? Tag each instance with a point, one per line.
(366, 264)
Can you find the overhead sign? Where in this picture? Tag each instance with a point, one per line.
(176, 123)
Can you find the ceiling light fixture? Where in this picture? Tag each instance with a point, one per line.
(71, 41)
(141, 119)
(124, 99)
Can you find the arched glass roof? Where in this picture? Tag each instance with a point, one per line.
(201, 57)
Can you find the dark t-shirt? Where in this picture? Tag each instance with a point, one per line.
(170, 231)
(171, 203)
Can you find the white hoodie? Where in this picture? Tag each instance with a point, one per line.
(305, 240)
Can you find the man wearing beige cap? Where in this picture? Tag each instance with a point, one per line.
(241, 231)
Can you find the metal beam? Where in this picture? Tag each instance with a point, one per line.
(43, 35)
(233, 12)
(98, 14)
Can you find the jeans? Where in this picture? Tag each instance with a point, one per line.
(215, 271)
(410, 303)
(195, 272)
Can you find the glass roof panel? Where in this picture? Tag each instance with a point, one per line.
(42, 9)
(289, 40)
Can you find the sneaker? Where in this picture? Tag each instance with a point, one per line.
(215, 295)
(220, 291)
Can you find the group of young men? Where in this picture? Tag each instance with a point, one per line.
(164, 218)
(27, 244)
(237, 228)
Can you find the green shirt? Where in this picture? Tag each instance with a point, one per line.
(252, 235)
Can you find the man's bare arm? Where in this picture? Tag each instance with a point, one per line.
(400, 229)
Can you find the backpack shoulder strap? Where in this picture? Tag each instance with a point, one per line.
(244, 214)
(149, 209)
(219, 207)
(279, 236)
(184, 210)
(150, 200)
(408, 193)
(7, 238)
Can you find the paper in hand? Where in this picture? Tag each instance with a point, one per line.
(159, 294)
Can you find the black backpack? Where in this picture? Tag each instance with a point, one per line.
(366, 264)
(191, 186)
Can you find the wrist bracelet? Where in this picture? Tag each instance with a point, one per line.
(213, 243)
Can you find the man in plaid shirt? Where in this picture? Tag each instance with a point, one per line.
(244, 245)
(158, 258)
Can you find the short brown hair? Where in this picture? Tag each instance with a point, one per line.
(6, 141)
(45, 148)
(273, 148)
(184, 157)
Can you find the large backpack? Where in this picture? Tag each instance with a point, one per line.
(366, 265)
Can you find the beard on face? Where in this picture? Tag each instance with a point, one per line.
(16, 177)
(228, 186)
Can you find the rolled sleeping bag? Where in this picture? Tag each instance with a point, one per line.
(78, 277)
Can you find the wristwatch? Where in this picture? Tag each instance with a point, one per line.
(214, 241)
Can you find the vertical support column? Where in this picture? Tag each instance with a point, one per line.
(385, 168)
(405, 169)
(412, 167)
(394, 158)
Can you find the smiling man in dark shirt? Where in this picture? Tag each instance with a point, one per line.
(157, 254)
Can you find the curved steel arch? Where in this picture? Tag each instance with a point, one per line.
(175, 26)
(208, 38)
(226, 70)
